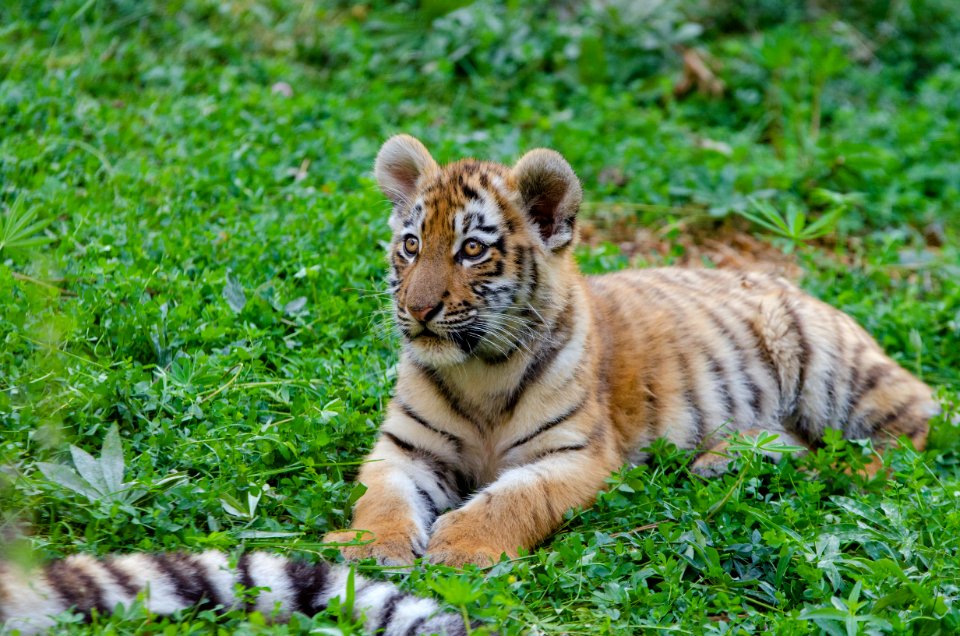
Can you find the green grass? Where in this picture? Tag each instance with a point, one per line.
(191, 255)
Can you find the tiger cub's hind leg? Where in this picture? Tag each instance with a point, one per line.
(716, 460)
(833, 374)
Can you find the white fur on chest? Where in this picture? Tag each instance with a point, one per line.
(484, 392)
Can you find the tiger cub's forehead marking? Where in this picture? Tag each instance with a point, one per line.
(414, 219)
(409, 220)
(463, 200)
(479, 219)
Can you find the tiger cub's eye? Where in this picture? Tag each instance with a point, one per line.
(473, 248)
(411, 245)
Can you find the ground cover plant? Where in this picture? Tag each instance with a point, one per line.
(196, 348)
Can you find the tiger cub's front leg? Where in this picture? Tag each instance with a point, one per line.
(408, 484)
(526, 503)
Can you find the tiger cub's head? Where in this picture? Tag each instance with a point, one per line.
(480, 251)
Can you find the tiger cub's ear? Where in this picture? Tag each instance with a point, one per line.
(551, 195)
(400, 164)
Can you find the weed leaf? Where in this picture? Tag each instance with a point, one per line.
(89, 468)
(111, 461)
(19, 226)
(860, 510)
(68, 478)
(295, 306)
(233, 294)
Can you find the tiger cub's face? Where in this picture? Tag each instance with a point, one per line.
(471, 243)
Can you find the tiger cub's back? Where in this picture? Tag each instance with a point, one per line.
(695, 354)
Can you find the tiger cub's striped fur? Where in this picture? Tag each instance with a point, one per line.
(169, 582)
(522, 384)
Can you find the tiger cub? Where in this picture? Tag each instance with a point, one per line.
(29, 600)
(522, 383)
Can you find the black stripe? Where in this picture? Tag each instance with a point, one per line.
(876, 373)
(653, 400)
(534, 272)
(802, 422)
(121, 578)
(448, 396)
(307, 581)
(756, 396)
(449, 625)
(468, 191)
(804, 350)
(522, 257)
(432, 508)
(829, 385)
(837, 354)
(766, 356)
(560, 335)
(443, 471)
(546, 426)
(406, 446)
(497, 268)
(389, 609)
(739, 347)
(894, 415)
(759, 344)
(598, 433)
(569, 448)
(413, 415)
(854, 383)
(690, 400)
(207, 589)
(76, 588)
(719, 373)
(414, 628)
(188, 578)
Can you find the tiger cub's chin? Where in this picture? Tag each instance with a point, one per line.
(435, 352)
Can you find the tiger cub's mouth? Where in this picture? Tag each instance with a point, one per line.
(466, 338)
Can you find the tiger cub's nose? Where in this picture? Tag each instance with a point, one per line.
(424, 314)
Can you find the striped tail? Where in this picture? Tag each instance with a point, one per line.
(172, 581)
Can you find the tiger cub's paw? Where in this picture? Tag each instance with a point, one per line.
(709, 465)
(388, 548)
(456, 542)
(459, 556)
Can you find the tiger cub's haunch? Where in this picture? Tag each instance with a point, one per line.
(29, 600)
(522, 384)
